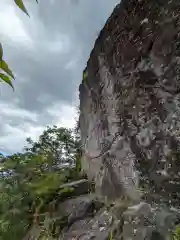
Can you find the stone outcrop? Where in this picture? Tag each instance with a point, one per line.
(130, 103)
(88, 217)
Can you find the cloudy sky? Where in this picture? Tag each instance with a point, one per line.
(47, 53)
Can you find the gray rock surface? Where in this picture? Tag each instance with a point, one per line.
(130, 126)
(87, 218)
(79, 187)
(91, 217)
(130, 103)
(143, 222)
(121, 221)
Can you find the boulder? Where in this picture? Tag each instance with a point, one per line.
(121, 221)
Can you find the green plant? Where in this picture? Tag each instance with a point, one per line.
(110, 236)
(176, 233)
(30, 183)
(20, 4)
(6, 74)
(85, 74)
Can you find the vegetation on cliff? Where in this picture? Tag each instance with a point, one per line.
(31, 181)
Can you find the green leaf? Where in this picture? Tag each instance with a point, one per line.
(66, 190)
(1, 51)
(85, 75)
(110, 237)
(5, 68)
(6, 79)
(20, 4)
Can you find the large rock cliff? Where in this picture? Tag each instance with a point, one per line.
(129, 103)
(130, 130)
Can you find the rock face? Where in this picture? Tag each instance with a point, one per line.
(130, 102)
(88, 217)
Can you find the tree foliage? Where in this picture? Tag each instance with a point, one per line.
(6, 74)
(31, 181)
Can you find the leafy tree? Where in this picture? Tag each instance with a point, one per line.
(57, 141)
(30, 181)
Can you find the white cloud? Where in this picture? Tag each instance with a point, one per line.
(14, 137)
(11, 111)
(11, 26)
(64, 116)
(61, 43)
